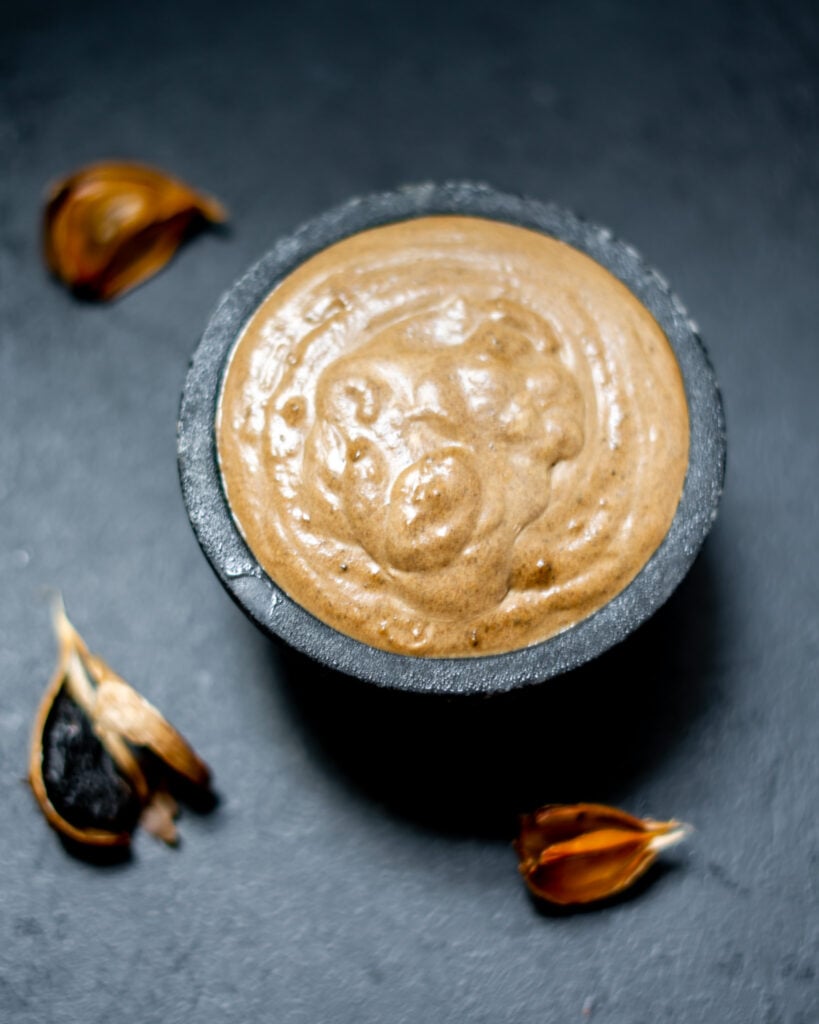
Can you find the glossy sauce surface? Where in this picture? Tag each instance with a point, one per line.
(452, 436)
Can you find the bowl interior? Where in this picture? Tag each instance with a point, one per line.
(280, 616)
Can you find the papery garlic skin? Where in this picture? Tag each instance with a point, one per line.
(581, 853)
(110, 226)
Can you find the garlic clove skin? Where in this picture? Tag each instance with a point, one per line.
(581, 853)
(110, 226)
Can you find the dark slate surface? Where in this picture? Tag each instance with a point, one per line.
(358, 865)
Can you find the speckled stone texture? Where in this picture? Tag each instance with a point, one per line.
(358, 866)
(280, 616)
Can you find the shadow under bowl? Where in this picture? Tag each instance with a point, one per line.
(279, 616)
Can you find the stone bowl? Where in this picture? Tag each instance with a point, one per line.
(281, 617)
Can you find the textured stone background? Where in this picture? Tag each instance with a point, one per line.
(358, 865)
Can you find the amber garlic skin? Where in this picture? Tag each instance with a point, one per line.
(452, 436)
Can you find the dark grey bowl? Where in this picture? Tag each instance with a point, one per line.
(278, 615)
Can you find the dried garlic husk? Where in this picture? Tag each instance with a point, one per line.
(110, 226)
(86, 762)
(579, 853)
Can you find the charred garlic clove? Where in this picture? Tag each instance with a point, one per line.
(87, 765)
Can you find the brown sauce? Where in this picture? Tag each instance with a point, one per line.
(451, 436)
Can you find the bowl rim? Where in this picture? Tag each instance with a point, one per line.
(280, 616)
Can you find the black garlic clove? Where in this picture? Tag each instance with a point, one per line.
(101, 754)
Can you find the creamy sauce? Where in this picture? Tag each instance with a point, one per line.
(451, 436)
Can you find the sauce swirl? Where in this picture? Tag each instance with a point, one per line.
(452, 436)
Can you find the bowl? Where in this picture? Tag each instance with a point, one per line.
(281, 617)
